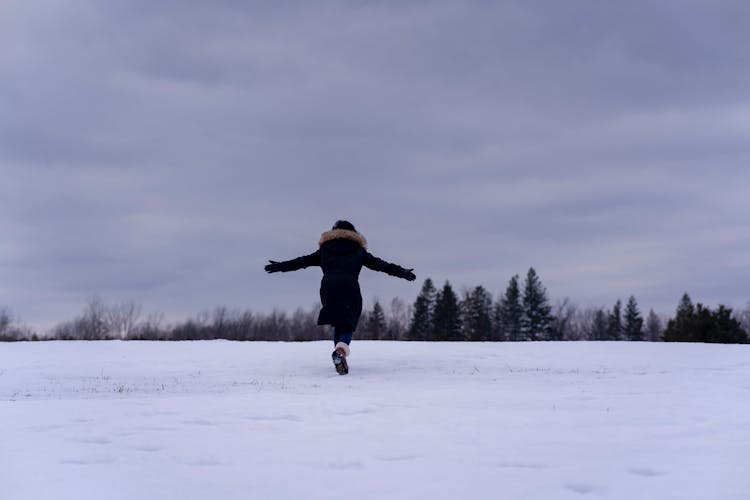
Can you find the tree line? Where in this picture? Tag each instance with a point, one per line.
(522, 313)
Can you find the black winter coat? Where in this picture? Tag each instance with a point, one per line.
(341, 255)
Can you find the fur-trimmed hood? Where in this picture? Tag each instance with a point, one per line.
(345, 234)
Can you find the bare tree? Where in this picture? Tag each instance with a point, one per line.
(6, 320)
(562, 323)
(744, 318)
(11, 331)
(579, 324)
(654, 327)
(150, 329)
(304, 326)
(397, 318)
(220, 322)
(593, 324)
(275, 326)
(93, 324)
(244, 326)
(122, 318)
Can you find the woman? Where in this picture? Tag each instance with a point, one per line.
(341, 254)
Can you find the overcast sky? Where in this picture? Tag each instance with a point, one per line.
(163, 150)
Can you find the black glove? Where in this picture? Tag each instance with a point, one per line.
(273, 267)
(409, 275)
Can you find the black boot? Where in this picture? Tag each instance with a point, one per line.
(339, 361)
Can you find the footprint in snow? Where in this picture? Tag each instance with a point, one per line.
(198, 421)
(205, 462)
(583, 488)
(157, 413)
(148, 448)
(396, 458)
(153, 428)
(522, 465)
(91, 460)
(93, 440)
(363, 411)
(44, 428)
(646, 472)
(272, 418)
(346, 466)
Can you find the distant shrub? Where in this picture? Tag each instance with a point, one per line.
(10, 331)
(701, 324)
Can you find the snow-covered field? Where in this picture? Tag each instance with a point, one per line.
(225, 420)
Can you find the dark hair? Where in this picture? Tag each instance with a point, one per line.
(344, 224)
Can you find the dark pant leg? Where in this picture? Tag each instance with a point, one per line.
(339, 336)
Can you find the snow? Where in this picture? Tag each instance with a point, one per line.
(226, 420)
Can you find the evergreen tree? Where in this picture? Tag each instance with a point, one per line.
(446, 318)
(633, 320)
(537, 315)
(509, 312)
(614, 322)
(475, 311)
(679, 327)
(421, 327)
(653, 327)
(726, 329)
(376, 324)
(701, 324)
(599, 326)
(685, 308)
(497, 333)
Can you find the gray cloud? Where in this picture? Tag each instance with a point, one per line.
(161, 151)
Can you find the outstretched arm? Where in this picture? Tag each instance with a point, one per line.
(292, 265)
(376, 264)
